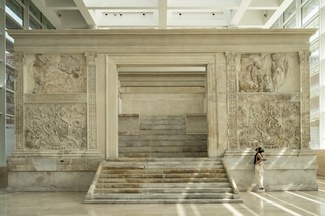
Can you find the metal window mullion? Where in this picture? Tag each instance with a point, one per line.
(2, 85)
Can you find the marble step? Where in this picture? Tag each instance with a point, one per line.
(162, 132)
(138, 143)
(162, 180)
(121, 162)
(163, 137)
(164, 160)
(164, 185)
(160, 170)
(167, 154)
(163, 149)
(159, 180)
(162, 120)
(162, 126)
(106, 174)
(164, 196)
(161, 160)
(161, 201)
(163, 190)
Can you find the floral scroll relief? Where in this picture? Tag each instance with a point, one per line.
(275, 125)
(55, 127)
(262, 72)
(52, 74)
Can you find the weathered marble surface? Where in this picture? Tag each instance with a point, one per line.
(54, 126)
(55, 74)
(256, 88)
(285, 169)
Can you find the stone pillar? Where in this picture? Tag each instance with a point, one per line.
(304, 98)
(232, 99)
(91, 101)
(111, 108)
(212, 110)
(19, 101)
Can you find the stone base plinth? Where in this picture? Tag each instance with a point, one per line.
(49, 181)
(284, 169)
(51, 173)
(3, 177)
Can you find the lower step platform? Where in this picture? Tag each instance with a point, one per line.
(162, 181)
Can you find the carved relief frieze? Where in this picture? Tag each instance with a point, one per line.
(232, 63)
(277, 98)
(262, 72)
(55, 126)
(56, 74)
(19, 99)
(305, 98)
(271, 124)
(91, 85)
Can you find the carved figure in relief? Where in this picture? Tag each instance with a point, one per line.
(262, 73)
(279, 70)
(276, 125)
(58, 74)
(55, 127)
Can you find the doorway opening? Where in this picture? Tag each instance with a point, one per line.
(162, 111)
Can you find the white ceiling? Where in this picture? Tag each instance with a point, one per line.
(162, 14)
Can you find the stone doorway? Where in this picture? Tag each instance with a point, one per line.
(119, 82)
(162, 111)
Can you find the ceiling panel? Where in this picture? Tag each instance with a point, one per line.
(163, 13)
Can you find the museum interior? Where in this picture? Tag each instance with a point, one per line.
(162, 107)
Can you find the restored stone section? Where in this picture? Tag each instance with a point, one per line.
(196, 123)
(128, 124)
(50, 181)
(48, 173)
(161, 136)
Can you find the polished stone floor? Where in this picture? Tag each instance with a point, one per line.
(256, 204)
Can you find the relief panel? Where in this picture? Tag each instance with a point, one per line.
(273, 124)
(56, 74)
(55, 126)
(269, 72)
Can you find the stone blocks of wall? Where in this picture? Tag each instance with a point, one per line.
(51, 173)
(284, 170)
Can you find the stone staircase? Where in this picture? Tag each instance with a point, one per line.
(162, 180)
(162, 136)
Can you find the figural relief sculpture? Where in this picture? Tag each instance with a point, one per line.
(55, 126)
(275, 124)
(262, 72)
(55, 74)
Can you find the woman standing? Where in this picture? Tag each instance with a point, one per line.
(259, 167)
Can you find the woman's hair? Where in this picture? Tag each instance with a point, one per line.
(259, 149)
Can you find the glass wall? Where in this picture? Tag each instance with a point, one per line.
(305, 14)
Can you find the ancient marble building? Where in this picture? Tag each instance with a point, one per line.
(243, 88)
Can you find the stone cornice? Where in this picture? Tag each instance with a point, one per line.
(157, 41)
(84, 32)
